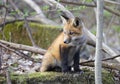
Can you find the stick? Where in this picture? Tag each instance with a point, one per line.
(110, 58)
(104, 65)
(24, 47)
(17, 52)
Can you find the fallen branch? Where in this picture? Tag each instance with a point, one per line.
(110, 58)
(24, 47)
(17, 52)
(104, 65)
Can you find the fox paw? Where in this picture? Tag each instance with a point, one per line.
(79, 71)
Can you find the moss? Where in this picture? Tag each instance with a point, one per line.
(15, 64)
(107, 14)
(42, 34)
(108, 78)
(2, 79)
(93, 31)
(116, 28)
(59, 78)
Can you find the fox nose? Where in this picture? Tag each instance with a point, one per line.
(66, 42)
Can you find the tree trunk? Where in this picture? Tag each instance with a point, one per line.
(99, 36)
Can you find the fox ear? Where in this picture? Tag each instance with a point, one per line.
(64, 19)
(77, 22)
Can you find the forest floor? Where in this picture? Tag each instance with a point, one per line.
(58, 78)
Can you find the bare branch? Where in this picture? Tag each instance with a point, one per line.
(110, 58)
(1, 54)
(29, 32)
(26, 23)
(91, 5)
(106, 48)
(8, 77)
(78, 4)
(24, 47)
(17, 52)
(35, 7)
(58, 5)
(3, 6)
(111, 11)
(112, 2)
(40, 17)
(104, 65)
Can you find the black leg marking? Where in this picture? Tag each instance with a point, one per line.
(64, 59)
(76, 61)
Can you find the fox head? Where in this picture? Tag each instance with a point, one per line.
(72, 30)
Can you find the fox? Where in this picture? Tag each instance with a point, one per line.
(65, 51)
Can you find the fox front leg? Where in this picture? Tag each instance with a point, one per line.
(64, 59)
(76, 61)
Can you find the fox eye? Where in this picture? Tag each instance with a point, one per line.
(65, 33)
(71, 33)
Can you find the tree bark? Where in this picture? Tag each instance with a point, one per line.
(99, 37)
(24, 47)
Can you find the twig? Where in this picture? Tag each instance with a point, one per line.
(4, 20)
(18, 53)
(29, 20)
(114, 66)
(3, 6)
(110, 23)
(91, 5)
(29, 32)
(8, 77)
(110, 58)
(78, 4)
(112, 2)
(1, 54)
(59, 6)
(111, 11)
(19, 19)
(26, 23)
(40, 15)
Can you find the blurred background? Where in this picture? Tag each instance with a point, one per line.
(37, 23)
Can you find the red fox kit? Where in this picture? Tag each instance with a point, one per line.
(65, 50)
